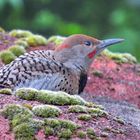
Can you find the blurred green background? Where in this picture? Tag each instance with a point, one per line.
(99, 18)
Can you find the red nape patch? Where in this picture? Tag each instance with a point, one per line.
(63, 46)
(91, 55)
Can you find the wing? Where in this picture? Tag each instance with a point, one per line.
(37, 72)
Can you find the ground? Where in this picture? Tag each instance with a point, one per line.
(113, 84)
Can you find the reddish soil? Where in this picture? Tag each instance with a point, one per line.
(118, 81)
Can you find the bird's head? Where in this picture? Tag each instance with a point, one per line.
(85, 46)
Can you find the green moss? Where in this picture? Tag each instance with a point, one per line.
(11, 110)
(58, 98)
(22, 42)
(84, 117)
(20, 118)
(27, 93)
(20, 33)
(120, 57)
(24, 132)
(36, 40)
(66, 133)
(58, 124)
(29, 106)
(56, 39)
(49, 131)
(7, 56)
(17, 50)
(6, 91)
(77, 109)
(97, 112)
(81, 134)
(49, 97)
(98, 73)
(91, 134)
(46, 111)
(77, 100)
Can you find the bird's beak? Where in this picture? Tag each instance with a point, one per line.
(105, 43)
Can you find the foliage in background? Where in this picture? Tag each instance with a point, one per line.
(102, 19)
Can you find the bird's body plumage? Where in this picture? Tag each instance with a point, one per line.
(40, 70)
(63, 69)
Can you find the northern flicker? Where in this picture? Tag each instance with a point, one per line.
(63, 69)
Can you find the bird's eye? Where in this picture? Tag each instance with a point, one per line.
(88, 43)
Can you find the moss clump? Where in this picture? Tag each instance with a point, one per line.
(84, 117)
(91, 134)
(17, 50)
(6, 91)
(77, 100)
(57, 40)
(46, 111)
(7, 56)
(81, 134)
(95, 112)
(20, 33)
(24, 132)
(36, 40)
(22, 42)
(49, 97)
(20, 118)
(49, 131)
(27, 93)
(13, 109)
(66, 134)
(120, 57)
(98, 73)
(27, 106)
(77, 109)
(58, 124)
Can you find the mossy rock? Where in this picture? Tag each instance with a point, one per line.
(81, 134)
(57, 40)
(20, 118)
(36, 40)
(6, 91)
(59, 124)
(11, 110)
(24, 132)
(22, 42)
(91, 134)
(97, 112)
(77, 109)
(20, 33)
(17, 50)
(27, 93)
(50, 97)
(120, 57)
(7, 56)
(84, 117)
(46, 111)
(65, 133)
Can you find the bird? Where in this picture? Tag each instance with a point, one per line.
(63, 69)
